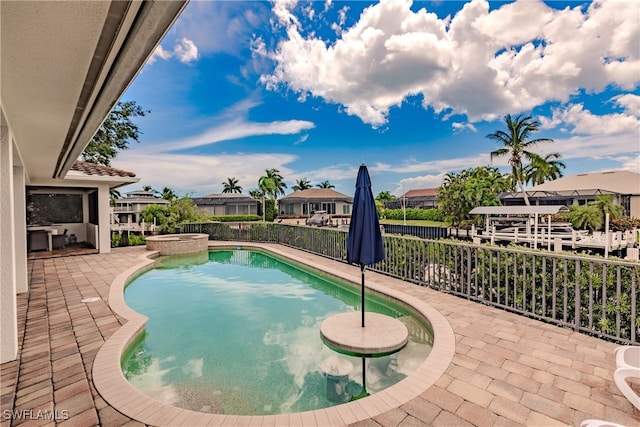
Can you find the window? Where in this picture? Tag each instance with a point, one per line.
(346, 209)
(312, 207)
(329, 207)
(288, 208)
(625, 201)
(53, 208)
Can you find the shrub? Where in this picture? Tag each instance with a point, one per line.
(136, 239)
(625, 223)
(234, 218)
(115, 239)
(414, 214)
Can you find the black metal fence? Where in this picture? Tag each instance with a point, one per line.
(591, 295)
(417, 230)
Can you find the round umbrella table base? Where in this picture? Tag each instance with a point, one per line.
(380, 336)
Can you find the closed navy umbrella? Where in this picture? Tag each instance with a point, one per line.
(364, 243)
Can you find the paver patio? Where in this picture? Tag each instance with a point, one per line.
(507, 369)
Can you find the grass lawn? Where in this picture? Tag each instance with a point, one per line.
(423, 223)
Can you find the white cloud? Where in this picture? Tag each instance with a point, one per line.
(480, 63)
(576, 120)
(629, 162)
(418, 182)
(332, 173)
(220, 26)
(203, 173)
(159, 52)
(282, 10)
(630, 103)
(236, 129)
(620, 146)
(186, 51)
(302, 139)
(459, 127)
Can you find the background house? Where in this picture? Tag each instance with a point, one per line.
(583, 188)
(64, 67)
(226, 204)
(126, 211)
(424, 198)
(306, 202)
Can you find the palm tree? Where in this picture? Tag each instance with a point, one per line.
(169, 194)
(150, 189)
(113, 196)
(231, 186)
(544, 169)
(302, 184)
(381, 199)
(274, 183)
(385, 196)
(585, 216)
(325, 184)
(267, 187)
(606, 204)
(256, 194)
(516, 145)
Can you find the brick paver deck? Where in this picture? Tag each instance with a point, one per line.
(507, 369)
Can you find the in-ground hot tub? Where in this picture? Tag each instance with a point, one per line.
(176, 244)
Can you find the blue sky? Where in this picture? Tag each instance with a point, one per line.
(411, 89)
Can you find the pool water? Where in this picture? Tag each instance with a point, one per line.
(237, 332)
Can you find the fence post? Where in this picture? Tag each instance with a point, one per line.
(578, 297)
(468, 251)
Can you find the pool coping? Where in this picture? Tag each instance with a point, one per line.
(110, 382)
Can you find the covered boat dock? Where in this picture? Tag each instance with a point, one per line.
(521, 224)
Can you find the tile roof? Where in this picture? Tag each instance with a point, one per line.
(316, 193)
(621, 181)
(100, 170)
(224, 198)
(423, 192)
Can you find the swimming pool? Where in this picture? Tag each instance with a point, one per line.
(237, 332)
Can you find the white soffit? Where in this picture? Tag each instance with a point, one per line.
(63, 67)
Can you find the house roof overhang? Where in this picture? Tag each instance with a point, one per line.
(112, 181)
(64, 67)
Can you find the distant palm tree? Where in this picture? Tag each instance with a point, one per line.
(385, 196)
(381, 199)
(150, 189)
(114, 195)
(544, 169)
(325, 184)
(585, 216)
(516, 145)
(272, 183)
(256, 194)
(231, 186)
(169, 194)
(301, 184)
(606, 204)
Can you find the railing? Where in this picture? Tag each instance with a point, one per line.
(590, 295)
(417, 230)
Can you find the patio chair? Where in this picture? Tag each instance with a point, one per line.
(58, 241)
(627, 366)
(38, 240)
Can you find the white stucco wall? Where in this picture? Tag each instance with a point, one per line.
(8, 308)
(20, 228)
(104, 232)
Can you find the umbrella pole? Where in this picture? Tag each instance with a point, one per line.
(362, 274)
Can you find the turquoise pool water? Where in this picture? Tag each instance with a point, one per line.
(237, 332)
